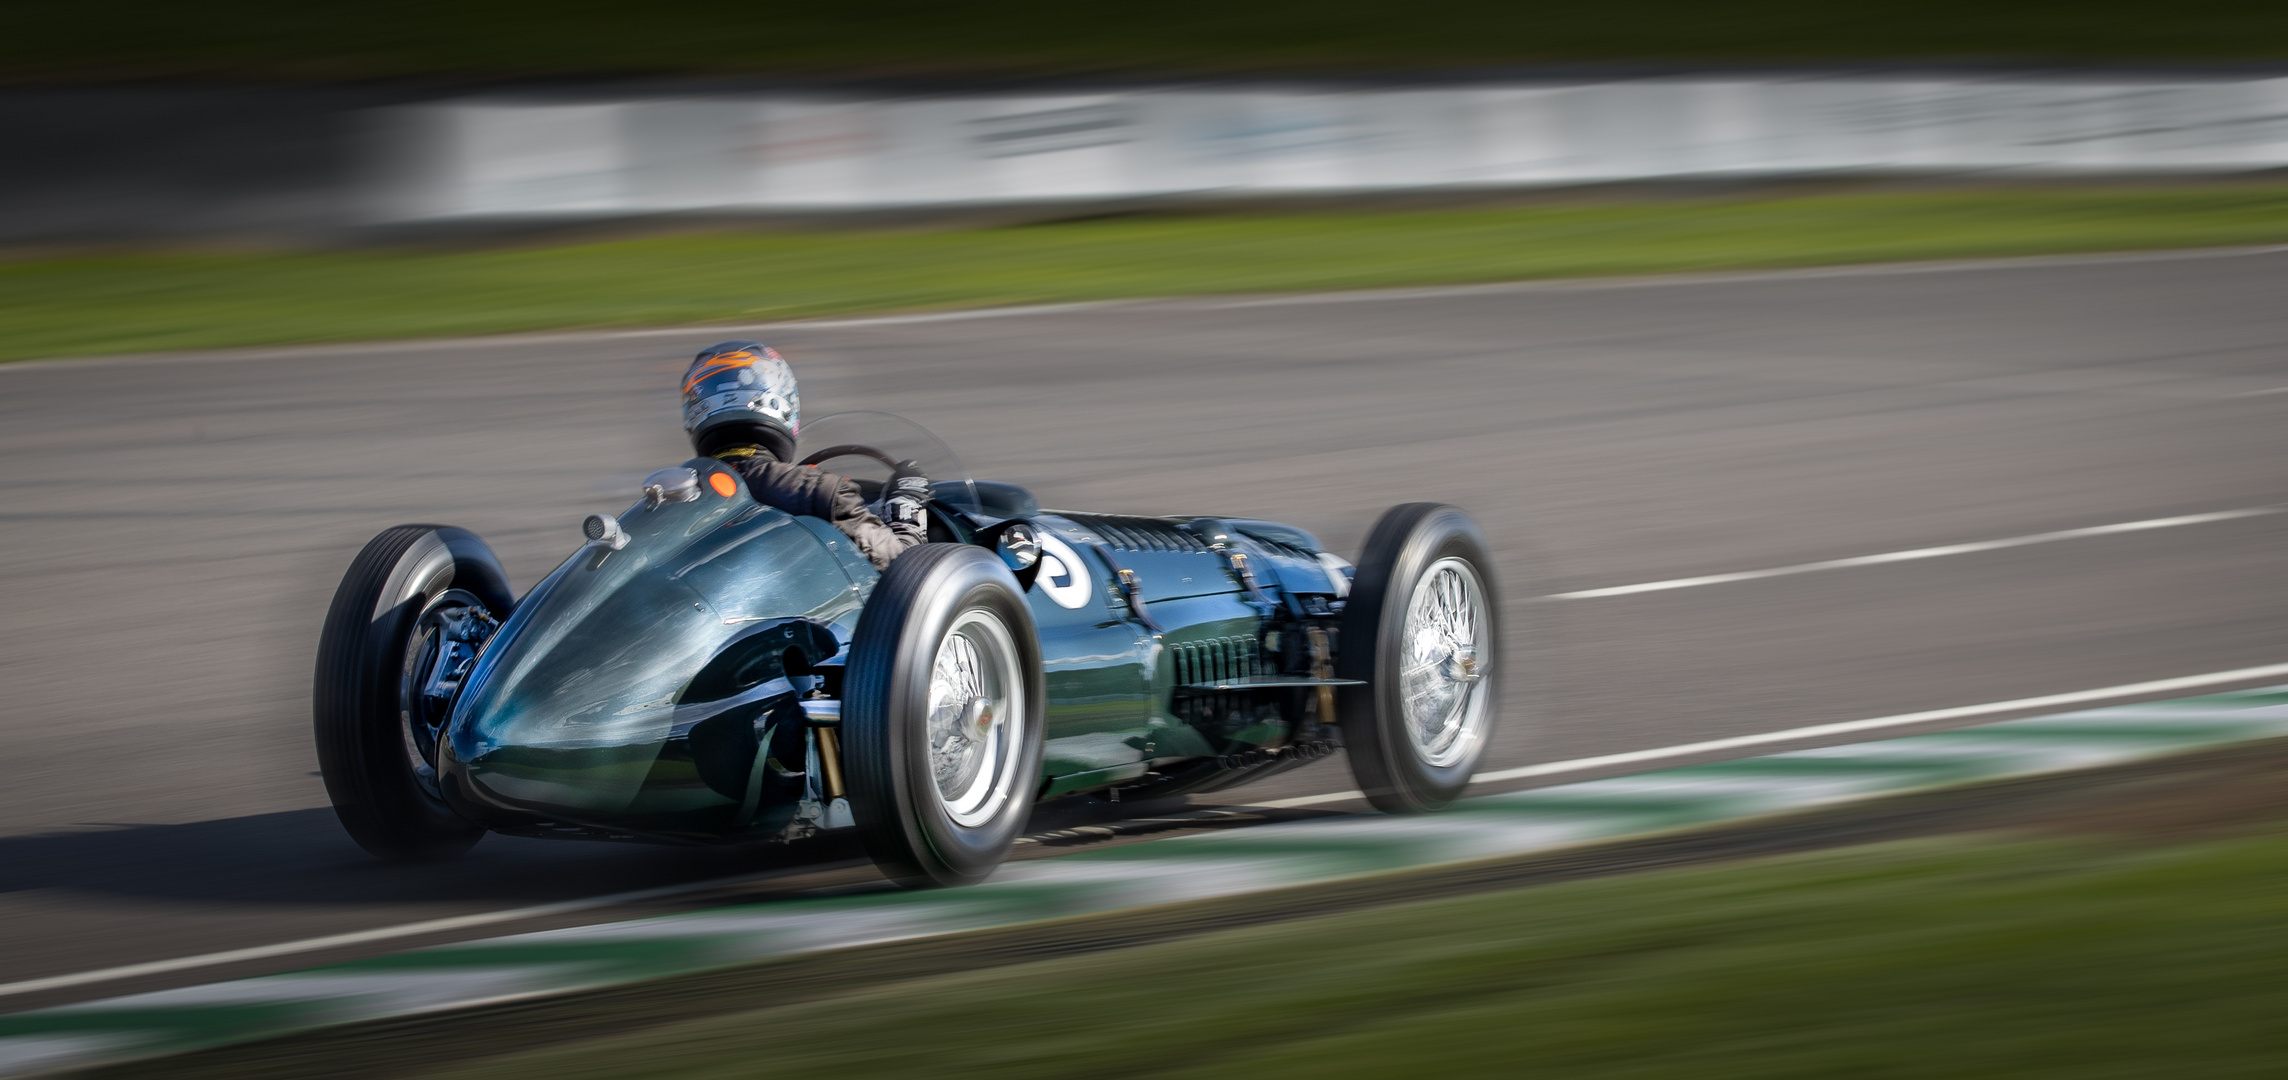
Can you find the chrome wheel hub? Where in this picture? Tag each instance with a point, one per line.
(1441, 669)
(976, 708)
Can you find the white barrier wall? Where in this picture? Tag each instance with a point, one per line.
(504, 158)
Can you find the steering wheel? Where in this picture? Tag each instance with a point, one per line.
(848, 450)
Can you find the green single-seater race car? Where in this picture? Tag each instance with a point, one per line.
(707, 669)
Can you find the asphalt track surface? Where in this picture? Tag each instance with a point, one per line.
(176, 525)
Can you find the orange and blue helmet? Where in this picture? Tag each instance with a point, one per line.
(741, 393)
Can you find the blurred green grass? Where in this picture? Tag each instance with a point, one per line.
(512, 39)
(1963, 956)
(148, 302)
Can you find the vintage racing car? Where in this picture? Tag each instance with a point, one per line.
(708, 669)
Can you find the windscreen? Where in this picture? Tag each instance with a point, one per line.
(897, 438)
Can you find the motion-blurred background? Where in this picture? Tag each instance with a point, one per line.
(1657, 290)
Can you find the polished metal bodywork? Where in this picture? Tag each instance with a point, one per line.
(582, 712)
(670, 687)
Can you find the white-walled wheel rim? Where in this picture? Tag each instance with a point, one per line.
(1443, 663)
(976, 718)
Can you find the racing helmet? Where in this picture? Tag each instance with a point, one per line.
(741, 393)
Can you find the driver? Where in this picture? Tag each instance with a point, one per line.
(740, 407)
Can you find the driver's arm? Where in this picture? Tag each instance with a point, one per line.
(878, 540)
(811, 491)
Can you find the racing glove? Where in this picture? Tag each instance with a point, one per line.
(908, 492)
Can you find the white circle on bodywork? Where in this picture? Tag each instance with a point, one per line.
(1063, 577)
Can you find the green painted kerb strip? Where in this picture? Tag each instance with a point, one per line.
(1183, 868)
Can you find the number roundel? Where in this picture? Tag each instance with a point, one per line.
(1063, 577)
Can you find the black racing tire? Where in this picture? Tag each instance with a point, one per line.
(356, 701)
(1401, 763)
(918, 832)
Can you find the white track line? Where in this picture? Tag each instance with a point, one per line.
(1746, 277)
(383, 933)
(1554, 768)
(1820, 731)
(1917, 553)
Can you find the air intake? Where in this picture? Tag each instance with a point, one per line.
(1216, 660)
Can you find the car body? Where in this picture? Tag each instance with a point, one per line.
(580, 715)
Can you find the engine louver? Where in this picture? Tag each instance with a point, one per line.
(1278, 547)
(1137, 533)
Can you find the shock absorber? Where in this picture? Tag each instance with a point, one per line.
(830, 755)
(826, 724)
(1323, 669)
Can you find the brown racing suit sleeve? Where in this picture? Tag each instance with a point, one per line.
(799, 490)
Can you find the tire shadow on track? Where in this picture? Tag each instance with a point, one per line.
(301, 857)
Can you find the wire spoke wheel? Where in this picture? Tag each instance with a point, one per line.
(1443, 668)
(404, 629)
(976, 716)
(942, 716)
(1421, 634)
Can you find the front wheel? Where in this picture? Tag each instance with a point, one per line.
(409, 617)
(1422, 631)
(943, 716)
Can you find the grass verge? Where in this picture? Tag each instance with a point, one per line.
(2123, 955)
(133, 303)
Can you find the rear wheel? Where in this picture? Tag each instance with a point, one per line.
(1421, 630)
(408, 617)
(943, 713)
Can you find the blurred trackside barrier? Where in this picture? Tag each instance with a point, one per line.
(507, 158)
(320, 161)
